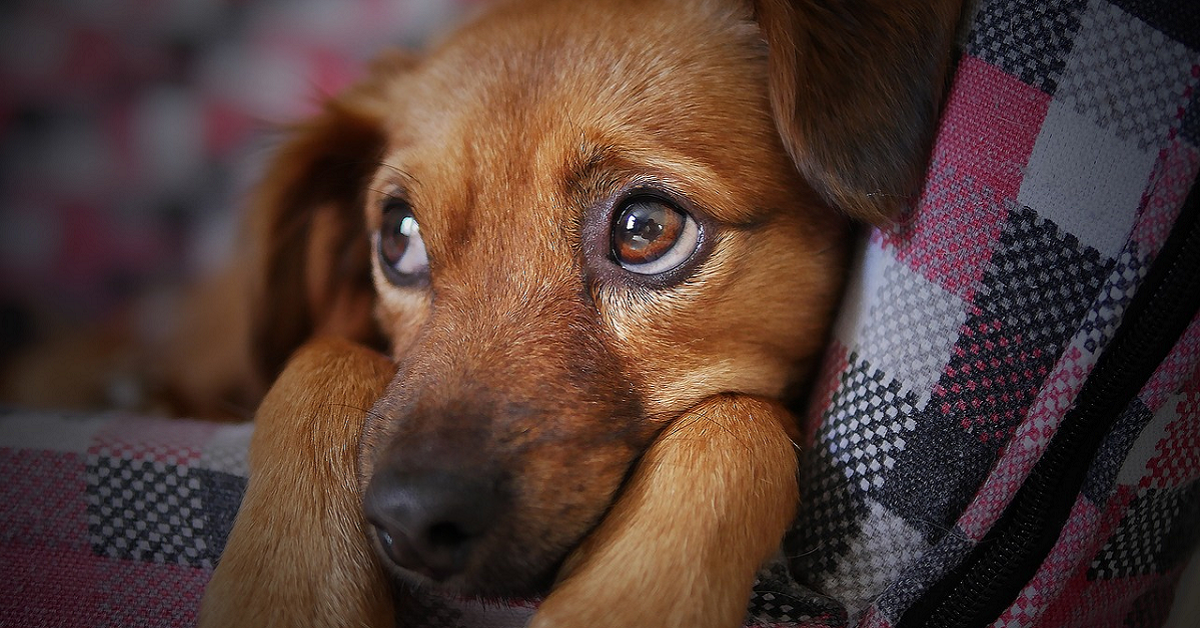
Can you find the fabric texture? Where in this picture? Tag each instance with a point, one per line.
(113, 520)
(1070, 138)
(1067, 146)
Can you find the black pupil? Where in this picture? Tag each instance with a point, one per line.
(643, 224)
(393, 240)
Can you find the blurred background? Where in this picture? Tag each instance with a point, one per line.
(131, 131)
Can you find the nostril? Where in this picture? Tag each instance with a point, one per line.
(448, 535)
(437, 552)
(429, 523)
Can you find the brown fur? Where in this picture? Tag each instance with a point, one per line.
(315, 569)
(735, 459)
(634, 425)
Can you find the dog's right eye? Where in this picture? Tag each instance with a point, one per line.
(401, 249)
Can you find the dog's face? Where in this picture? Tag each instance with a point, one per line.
(572, 246)
(582, 220)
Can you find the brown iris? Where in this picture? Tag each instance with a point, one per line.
(645, 231)
(392, 237)
(401, 249)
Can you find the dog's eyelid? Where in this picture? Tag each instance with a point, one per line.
(394, 199)
(391, 186)
(671, 192)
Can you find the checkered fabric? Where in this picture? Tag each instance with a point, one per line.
(119, 520)
(113, 520)
(1069, 141)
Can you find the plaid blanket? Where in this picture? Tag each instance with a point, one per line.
(1070, 140)
(1065, 153)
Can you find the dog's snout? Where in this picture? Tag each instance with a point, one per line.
(430, 522)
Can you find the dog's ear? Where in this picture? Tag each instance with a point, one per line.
(855, 89)
(311, 272)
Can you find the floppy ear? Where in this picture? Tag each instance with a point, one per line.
(855, 88)
(311, 272)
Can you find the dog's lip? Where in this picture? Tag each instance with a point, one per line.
(466, 586)
(399, 550)
(469, 583)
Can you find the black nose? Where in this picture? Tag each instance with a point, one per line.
(430, 522)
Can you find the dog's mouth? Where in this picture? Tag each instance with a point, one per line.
(397, 558)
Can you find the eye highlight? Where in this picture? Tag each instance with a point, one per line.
(651, 236)
(401, 250)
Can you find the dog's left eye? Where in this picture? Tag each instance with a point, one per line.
(401, 249)
(651, 236)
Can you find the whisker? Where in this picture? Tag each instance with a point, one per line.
(408, 177)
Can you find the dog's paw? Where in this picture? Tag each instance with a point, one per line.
(687, 558)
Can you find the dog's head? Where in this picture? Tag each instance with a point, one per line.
(569, 223)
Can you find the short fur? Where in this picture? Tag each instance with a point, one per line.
(633, 427)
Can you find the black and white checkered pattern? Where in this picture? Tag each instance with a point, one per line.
(151, 510)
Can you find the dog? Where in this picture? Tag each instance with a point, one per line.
(600, 245)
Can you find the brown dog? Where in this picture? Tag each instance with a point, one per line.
(597, 239)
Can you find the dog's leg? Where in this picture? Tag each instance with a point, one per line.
(298, 554)
(709, 502)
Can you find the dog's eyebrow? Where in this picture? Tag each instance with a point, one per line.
(585, 172)
(588, 161)
(597, 170)
(591, 155)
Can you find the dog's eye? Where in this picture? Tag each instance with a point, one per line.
(651, 236)
(401, 249)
